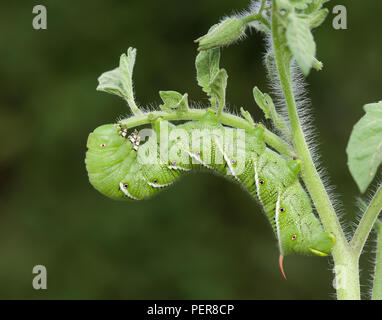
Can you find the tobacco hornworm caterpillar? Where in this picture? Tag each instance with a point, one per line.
(121, 167)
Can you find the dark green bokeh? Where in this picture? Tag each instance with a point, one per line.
(204, 237)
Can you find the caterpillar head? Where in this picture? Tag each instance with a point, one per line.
(299, 231)
(298, 228)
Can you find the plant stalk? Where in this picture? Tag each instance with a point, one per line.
(367, 222)
(377, 285)
(346, 265)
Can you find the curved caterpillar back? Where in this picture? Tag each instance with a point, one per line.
(122, 167)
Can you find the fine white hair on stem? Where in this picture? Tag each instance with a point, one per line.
(373, 240)
(274, 83)
(145, 109)
(254, 7)
(376, 242)
(331, 268)
(194, 104)
(371, 246)
(305, 115)
(362, 203)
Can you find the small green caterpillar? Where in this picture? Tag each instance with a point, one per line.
(120, 167)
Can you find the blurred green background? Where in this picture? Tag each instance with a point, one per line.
(203, 238)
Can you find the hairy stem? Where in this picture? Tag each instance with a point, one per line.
(258, 17)
(367, 222)
(133, 107)
(377, 285)
(227, 119)
(262, 6)
(346, 265)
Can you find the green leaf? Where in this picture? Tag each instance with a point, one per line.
(119, 81)
(218, 89)
(183, 104)
(170, 99)
(174, 101)
(110, 82)
(207, 66)
(212, 79)
(318, 18)
(262, 103)
(265, 102)
(301, 43)
(365, 146)
(247, 116)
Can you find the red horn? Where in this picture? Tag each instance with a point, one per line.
(281, 259)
